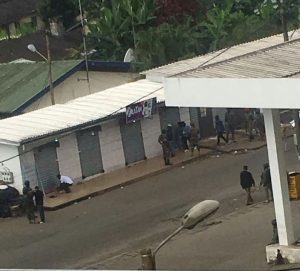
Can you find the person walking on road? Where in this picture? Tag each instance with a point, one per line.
(162, 140)
(219, 129)
(266, 182)
(194, 139)
(247, 181)
(39, 203)
(28, 202)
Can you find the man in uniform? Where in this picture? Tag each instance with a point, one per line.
(194, 139)
(28, 202)
(162, 140)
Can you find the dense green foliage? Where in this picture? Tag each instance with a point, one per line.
(163, 31)
(65, 10)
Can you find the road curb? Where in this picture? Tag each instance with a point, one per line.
(151, 174)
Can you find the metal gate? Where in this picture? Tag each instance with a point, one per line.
(170, 115)
(47, 167)
(206, 123)
(133, 144)
(89, 152)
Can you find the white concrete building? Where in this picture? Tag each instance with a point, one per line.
(86, 136)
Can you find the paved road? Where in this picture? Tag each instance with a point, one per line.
(125, 220)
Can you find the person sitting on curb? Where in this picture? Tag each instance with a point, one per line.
(65, 183)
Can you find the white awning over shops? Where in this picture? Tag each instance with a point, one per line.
(94, 107)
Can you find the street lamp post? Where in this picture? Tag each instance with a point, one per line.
(32, 48)
(195, 215)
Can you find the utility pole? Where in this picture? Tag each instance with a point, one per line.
(83, 21)
(47, 33)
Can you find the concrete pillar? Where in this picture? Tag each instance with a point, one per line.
(279, 178)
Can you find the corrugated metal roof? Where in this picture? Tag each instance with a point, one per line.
(217, 56)
(279, 61)
(83, 110)
(19, 82)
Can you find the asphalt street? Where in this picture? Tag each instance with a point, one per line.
(122, 221)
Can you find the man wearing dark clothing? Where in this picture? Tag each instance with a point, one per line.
(170, 138)
(39, 203)
(28, 202)
(219, 129)
(247, 181)
(266, 182)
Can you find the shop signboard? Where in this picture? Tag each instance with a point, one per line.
(138, 111)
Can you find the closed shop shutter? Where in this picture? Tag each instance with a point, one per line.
(89, 153)
(170, 115)
(206, 123)
(132, 140)
(47, 167)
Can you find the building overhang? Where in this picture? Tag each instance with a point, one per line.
(234, 93)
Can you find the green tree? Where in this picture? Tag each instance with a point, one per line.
(168, 43)
(67, 10)
(113, 26)
(116, 25)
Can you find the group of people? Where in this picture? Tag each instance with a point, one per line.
(188, 137)
(247, 182)
(34, 198)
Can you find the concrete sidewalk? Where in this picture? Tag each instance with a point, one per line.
(138, 171)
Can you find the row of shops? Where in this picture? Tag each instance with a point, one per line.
(102, 148)
(85, 150)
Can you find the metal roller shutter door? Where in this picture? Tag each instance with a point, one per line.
(206, 123)
(47, 168)
(133, 144)
(89, 153)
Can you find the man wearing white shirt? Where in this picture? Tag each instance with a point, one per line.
(65, 183)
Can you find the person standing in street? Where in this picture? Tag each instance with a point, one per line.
(65, 183)
(247, 181)
(162, 140)
(39, 203)
(28, 202)
(194, 139)
(266, 182)
(219, 129)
